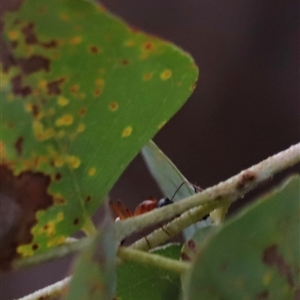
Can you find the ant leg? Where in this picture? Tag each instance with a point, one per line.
(197, 188)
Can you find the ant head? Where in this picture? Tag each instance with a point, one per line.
(163, 202)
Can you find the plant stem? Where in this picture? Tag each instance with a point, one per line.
(50, 292)
(233, 188)
(129, 254)
(89, 227)
(176, 226)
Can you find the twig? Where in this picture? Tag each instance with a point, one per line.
(233, 188)
(50, 292)
(176, 226)
(129, 254)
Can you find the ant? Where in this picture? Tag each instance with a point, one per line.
(147, 205)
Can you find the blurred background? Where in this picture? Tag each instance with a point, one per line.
(245, 108)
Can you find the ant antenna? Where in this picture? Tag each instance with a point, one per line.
(177, 190)
(166, 201)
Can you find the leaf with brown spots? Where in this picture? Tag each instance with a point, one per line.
(255, 255)
(79, 100)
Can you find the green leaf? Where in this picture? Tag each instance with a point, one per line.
(254, 256)
(81, 94)
(168, 177)
(136, 281)
(94, 275)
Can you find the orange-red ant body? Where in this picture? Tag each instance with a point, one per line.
(147, 205)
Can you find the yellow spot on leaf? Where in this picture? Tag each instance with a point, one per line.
(81, 96)
(147, 76)
(28, 107)
(162, 124)
(92, 171)
(40, 133)
(25, 250)
(64, 17)
(82, 111)
(100, 7)
(80, 128)
(74, 88)
(267, 278)
(10, 97)
(129, 43)
(73, 161)
(97, 92)
(59, 161)
(101, 71)
(40, 115)
(127, 131)
(113, 106)
(62, 101)
(166, 74)
(42, 85)
(76, 40)
(58, 199)
(56, 241)
(99, 82)
(50, 228)
(59, 217)
(13, 35)
(65, 120)
(2, 150)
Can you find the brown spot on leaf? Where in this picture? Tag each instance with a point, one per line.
(19, 145)
(18, 88)
(54, 87)
(247, 177)
(50, 44)
(58, 176)
(273, 258)
(97, 92)
(20, 197)
(76, 221)
(34, 64)
(148, 46)
(31, 39)
(82, 111)
(29, 34)
(263, 295)
(88, 199)
(59, 200)
(94, 49)
(134, 29)
(35, 110)
(35, 247)
(125, 62)
(74, 88)
(14, 44)
(42, 10)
